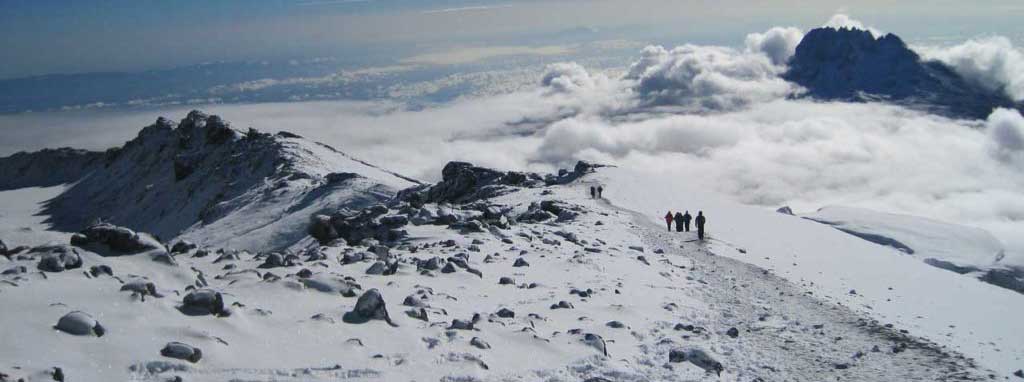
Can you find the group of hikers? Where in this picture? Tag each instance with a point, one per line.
(682, 221)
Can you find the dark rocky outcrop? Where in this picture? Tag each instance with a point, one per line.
(853, 65)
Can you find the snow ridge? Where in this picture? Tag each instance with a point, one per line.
(206, 181)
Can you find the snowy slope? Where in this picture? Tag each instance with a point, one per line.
(633, 301)
(960, 249)
(205, 181)
(951, 309)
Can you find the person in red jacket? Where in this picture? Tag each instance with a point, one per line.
(668, 220)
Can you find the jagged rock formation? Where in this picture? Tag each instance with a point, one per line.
(852, 65)
(202, 180)
(49, 167)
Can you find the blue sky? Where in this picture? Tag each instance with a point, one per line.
(74, 36)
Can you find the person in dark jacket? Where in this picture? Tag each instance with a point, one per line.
(679, 221)
(686, 221)
(700, 224)
(600, 190)
(593, 192)
(668, 220)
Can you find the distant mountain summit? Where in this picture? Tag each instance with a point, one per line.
(852, 65)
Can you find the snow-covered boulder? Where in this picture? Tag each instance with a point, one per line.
(80, 324)
(119, 240)
(58, 259)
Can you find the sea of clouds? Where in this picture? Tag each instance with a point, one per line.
(719, 116)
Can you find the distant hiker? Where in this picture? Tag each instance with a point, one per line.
(668, 220)
(593, 192)
(686, 221)
(599, 191)
(679, 221)
(700, 225)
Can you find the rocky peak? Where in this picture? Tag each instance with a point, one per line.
(852, 65)
(203, 179)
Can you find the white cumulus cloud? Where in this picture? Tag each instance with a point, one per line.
(778, 43)
(992, 62)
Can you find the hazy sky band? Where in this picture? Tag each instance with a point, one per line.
(66, 36)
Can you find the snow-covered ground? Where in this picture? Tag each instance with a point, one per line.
(21, 220)
(644, 294)
(961, 312)
(924, 238)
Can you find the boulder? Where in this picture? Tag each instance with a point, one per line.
(119, 239)
(183, 246)
(479, 343)
(97, 270)
(80, 324)
(59, 259)
(697, 357)
(595, 341)
(321, 229)
(370, 306)
(178, 350)
(275, 260)
(203, 302)
(142, 287)
(785, 210)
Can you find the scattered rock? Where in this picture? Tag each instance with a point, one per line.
(479, 343)
(370, 306)
(119, 239)
(732, 332)
(183, 246)
(506, 313)
(178, 350)
(377, 268)
(521, 262)
(80, 324)
(506, 281)
(595, 341)
(203, 302)
(697, 357)
(461, 325)
(615, 325)
(97, 270)
(785, 210)
(562, 305)
(419, 314)
(60, 259)
(142, 287)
